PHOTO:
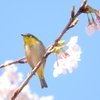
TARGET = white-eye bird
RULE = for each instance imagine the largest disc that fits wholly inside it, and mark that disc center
(34, 51)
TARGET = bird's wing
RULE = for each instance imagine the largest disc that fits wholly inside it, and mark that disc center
(42, 50)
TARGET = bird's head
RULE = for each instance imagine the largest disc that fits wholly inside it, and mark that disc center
(29, 39)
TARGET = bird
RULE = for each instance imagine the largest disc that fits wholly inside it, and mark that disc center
(34, 51)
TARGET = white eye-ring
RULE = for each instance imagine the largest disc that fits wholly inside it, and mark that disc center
(30, 36)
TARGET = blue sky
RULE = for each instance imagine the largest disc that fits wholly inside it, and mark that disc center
(46, 19)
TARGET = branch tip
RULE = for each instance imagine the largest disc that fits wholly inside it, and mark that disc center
(72, 22)
(72, 11)
(84, 3)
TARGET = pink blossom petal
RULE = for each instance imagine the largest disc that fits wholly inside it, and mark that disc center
(89, 30)
(69, 59)
(98, 19)
(98, 27)
(98, 22)
(72, 41)
(64, 71)
(95, 26)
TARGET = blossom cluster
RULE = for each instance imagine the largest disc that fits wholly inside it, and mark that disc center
(9, 82)
(68, 60)
(94, 24)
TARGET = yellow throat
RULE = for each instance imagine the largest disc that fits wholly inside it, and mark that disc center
(29, 39)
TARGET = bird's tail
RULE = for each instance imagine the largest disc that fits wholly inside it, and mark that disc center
(43, 83)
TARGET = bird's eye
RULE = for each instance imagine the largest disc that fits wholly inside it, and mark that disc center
(30, 36)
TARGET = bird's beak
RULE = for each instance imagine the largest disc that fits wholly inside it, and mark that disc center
(22, 35)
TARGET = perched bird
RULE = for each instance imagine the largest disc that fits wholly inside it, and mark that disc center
(34, 51)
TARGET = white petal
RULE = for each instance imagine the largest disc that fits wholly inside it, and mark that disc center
(70, 61)
(73, 40)
(89, 30)
(99, 27)
(55, 73)
(47, 98)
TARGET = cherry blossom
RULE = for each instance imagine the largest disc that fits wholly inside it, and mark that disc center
(68, 60)
(9, 82)
(91, 26)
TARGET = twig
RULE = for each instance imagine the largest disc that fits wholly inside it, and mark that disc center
(14, 62)
(81, 9)
(29, 76)
(48, 52)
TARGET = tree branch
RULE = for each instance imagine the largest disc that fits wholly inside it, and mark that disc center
(48, 52)
(21, 61)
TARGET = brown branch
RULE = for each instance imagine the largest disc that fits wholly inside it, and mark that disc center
(72, 11)
(71, 20)
(29, 76)
(81, 10)
(48, 51)
(21, 60)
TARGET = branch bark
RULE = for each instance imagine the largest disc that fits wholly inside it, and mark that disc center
(21, 61)
(48, 52)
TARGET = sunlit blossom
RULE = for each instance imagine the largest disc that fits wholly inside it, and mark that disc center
(91, 27)
(9, 82)
(47, 98)
(68, 60)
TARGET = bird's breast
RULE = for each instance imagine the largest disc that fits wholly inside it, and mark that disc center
(32, 55)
